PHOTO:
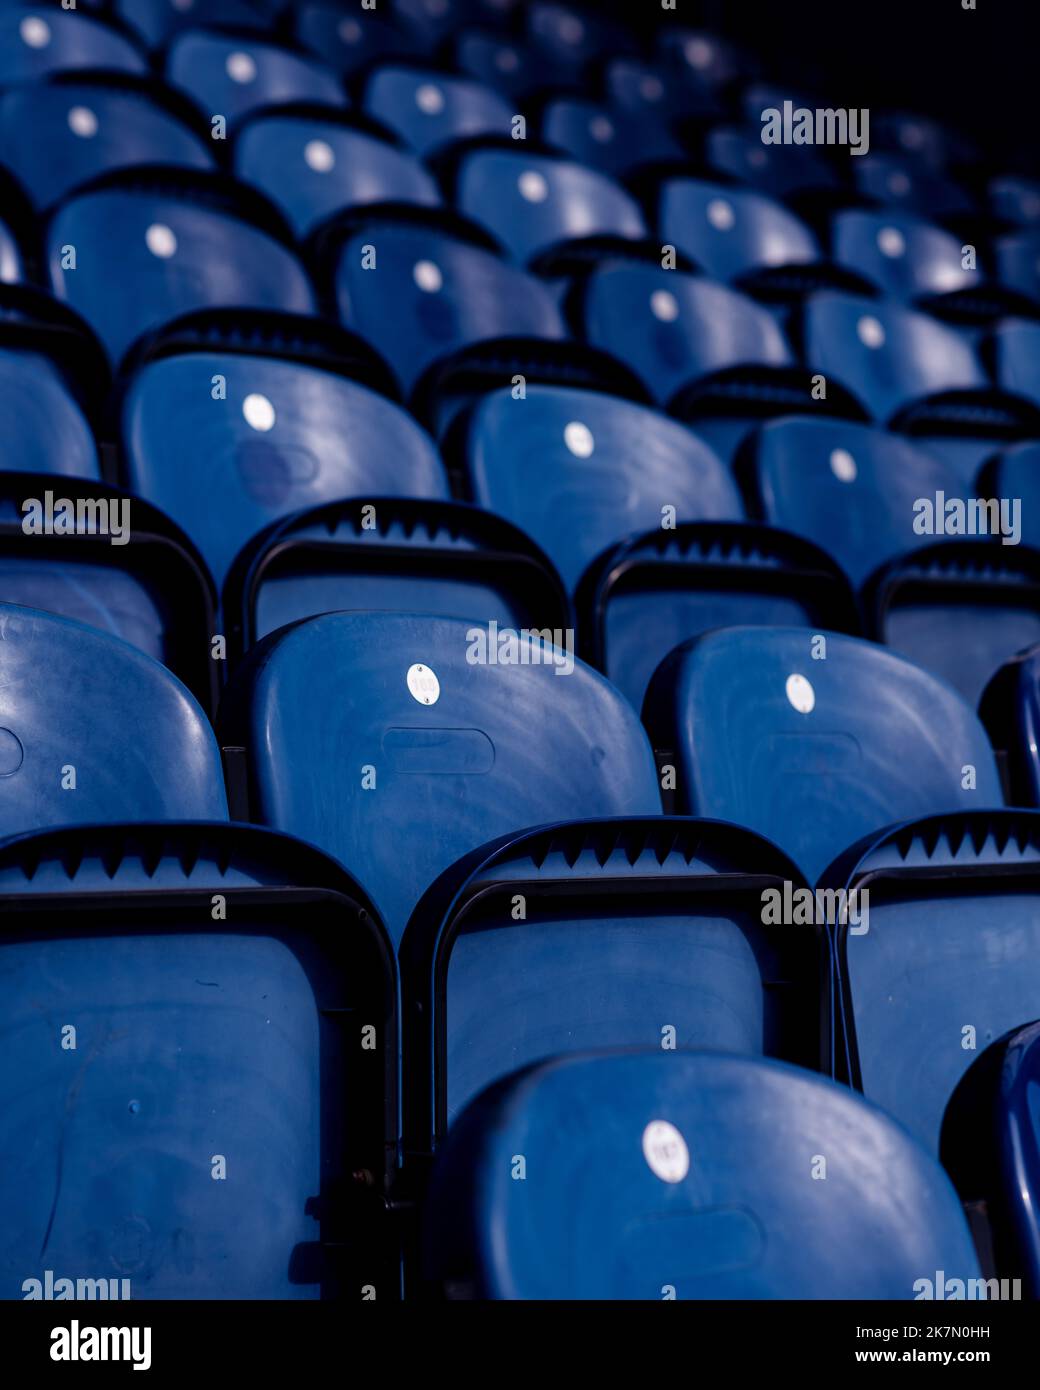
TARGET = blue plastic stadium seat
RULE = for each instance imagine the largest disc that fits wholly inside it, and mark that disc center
(1015, 199)
(432, 294)
(672, 328)
(67, 752)
(905, 256)
(603, 903)
(896, 181)
(429, 109)
(284, 435)
(45, 430)
(730, 232)
(991, 1149)
(218, 979)
(652, 1176)
(580, 471)
(778, 170)
(533, 204)
(157, 21)
(596, 135)
(364, 731)
(169, 255)
(348, 42)
(1018, 262)
(313, 168)
(37, 40)
(59, 135)
(818, 752)
(846, 486)
(233, 75)
(647, 595)
(642, 91)
(391, 554)
(951, 959)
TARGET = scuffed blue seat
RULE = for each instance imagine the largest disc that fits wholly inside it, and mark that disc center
(819, 751)
(949, 963)
(204, 990)
(580, 471)
(429, 109)
(36, 40)
(59, 135)
(535, 205)
(45, 429)
(283, 435)
(649, 1176)
(233, 75)
(67, 753)
(171, 249)
(1014, 349)
(356, 722)
(551, 942)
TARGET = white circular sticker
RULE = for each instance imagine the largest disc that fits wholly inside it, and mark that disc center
(579, 440)
(259, 412)
(843, 466)
(423, 685)
(665, 1151)
(801, 694)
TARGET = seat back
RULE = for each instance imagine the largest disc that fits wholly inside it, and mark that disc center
(432, 294)
(532, 203)
(730, 231)
(313, 168)
(951, 959)
(827, 738)
(232, 75)
(580, 471)
(551, 942)
(67, 754)
(169, 255)
(220, 1002)
(904, 256)
(364, 731)
(886, 355)
(38, 39)
(284, 436)
(57, 136)
(672, 328)
(686, 1176)
(849, 488)
(429, 109)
